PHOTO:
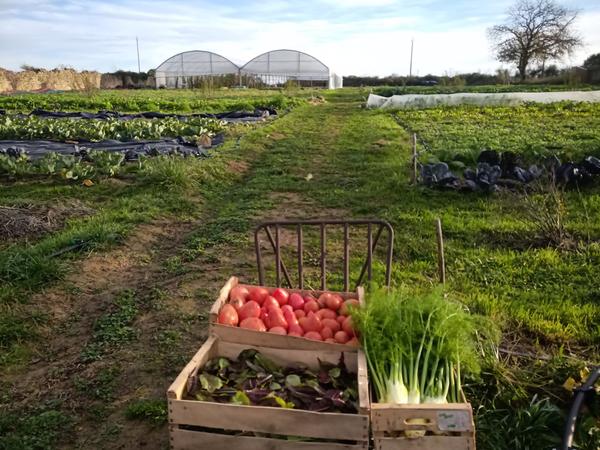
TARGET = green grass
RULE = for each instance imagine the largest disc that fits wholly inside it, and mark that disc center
(37, 430)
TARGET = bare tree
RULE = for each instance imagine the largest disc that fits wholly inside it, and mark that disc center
(536, 30)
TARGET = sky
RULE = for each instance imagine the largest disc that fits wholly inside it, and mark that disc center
(352, 37)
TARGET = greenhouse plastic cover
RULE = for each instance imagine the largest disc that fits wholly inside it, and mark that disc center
(290, 63)
(510, 98)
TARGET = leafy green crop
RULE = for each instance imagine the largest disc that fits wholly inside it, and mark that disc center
(253, 379)
(99, 130)
(569, 130)
(173, 101)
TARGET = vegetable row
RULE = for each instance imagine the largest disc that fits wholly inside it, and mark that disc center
(177, 101)
(459, 133)
(32, 127)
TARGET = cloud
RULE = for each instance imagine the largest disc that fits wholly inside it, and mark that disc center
(351, 36)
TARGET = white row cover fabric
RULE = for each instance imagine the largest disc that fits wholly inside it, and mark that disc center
(509, 98)
(279, 65)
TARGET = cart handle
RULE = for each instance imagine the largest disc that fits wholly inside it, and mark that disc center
(323, 224)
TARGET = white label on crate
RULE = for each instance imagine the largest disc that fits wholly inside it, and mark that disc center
(453, 420)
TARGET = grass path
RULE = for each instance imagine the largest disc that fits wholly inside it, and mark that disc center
(128, 338)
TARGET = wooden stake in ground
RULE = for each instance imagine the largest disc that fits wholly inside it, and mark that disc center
(414, 159)
(440, 244)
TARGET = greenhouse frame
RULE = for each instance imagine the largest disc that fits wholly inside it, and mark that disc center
(275, 68)
(187, 68)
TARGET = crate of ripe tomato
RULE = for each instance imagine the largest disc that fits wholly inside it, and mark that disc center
(284, 318)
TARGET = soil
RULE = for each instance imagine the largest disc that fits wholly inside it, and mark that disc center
(32, 221)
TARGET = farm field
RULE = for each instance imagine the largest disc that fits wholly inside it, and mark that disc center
(91, 337)
(172, 101)
(535, 131)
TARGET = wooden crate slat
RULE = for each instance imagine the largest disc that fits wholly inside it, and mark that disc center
(196, 440)
(264, 419)
(453, 417)
(426, 443)
(285, 356)
(205, 353)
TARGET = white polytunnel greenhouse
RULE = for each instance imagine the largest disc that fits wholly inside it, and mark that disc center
(280, 66)
(276, 68)
(187, 68)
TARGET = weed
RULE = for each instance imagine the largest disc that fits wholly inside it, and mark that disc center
(101, 386)
(151, 410)
(174, 265)
(36, 430)
(114, 328)
(535, 426)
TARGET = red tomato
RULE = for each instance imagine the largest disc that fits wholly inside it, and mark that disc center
(308, 298)
(299, 313)
(264, 314)
(311, 305)
(276, 319)
(340, 319)
(347, 326)
(258, 294)
(270, 302)
(347, 305)
(326, 333)
(302, 321)
(312, 323)
(290, 318)
(285, 308)
(253, 323)
(236, 303)
(296, 301)
(341, 337)
(239, 293)
(278, 330)
(313, 335)
(228, 315)
(281, 295)
(326, 313)
(331, 301)
(295, 330)
(332, 324)
(250, 309)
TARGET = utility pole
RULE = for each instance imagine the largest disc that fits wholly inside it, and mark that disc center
(412, 41)
(137, 45)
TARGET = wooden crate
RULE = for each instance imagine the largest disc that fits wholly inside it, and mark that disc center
(323, 428)
(251, 337)
(448, 426)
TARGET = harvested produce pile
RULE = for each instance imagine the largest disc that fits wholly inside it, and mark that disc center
(253, 379)
(534, 131)
(325, 318)
(231, 116)
(417, 347)
(496, 170)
